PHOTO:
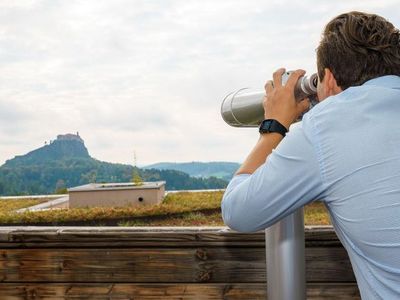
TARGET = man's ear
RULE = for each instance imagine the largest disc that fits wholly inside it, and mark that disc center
(330, 84)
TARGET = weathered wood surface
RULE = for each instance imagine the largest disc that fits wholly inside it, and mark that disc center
(166, 291)
(161, 265)
(17, 237)
(158, 263)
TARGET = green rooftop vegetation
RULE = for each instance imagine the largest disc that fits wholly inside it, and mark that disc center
(177, 209)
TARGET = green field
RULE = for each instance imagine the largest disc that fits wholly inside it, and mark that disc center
(180, 209)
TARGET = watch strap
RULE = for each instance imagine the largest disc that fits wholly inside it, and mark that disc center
(271, 125)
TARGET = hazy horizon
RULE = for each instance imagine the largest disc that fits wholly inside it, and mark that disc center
(133, 163)
(148, 76)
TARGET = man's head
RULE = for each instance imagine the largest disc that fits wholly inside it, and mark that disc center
(356, 47)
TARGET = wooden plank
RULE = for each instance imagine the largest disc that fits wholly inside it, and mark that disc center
(158, 263)
(107, 291)
(167, 265)
(321, 236)
(127, 237)
(18, 237)
(328, 265)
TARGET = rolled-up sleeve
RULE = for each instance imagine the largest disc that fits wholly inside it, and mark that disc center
(289, 179)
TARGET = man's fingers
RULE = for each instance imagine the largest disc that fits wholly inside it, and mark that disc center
(269, 86)
(294, 77)
(277, 77)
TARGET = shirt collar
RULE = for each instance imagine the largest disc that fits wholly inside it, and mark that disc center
(391, 81)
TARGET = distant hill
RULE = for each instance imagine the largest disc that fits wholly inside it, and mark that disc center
(66, 162)
(64, 147)
(223, 170)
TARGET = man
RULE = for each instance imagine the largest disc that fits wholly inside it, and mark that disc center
(346, 151)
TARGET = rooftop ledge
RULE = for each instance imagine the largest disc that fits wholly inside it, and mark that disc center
(117, 186)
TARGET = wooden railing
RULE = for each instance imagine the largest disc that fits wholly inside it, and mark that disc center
(158, 263)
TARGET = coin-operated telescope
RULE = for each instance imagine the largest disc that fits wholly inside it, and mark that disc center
(244, 108)
(285, 239)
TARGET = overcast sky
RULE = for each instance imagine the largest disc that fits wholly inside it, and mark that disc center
(149, 76)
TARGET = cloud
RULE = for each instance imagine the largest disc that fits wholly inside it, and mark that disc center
(148, 75)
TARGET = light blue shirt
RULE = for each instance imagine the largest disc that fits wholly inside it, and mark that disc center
(345, 152)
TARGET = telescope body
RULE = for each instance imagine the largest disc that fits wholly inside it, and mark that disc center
(244, 108)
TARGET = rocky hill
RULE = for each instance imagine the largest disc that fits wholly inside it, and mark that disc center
(65, 162)
(64, 147)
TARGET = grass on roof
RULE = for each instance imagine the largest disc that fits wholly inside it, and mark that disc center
(177, 209)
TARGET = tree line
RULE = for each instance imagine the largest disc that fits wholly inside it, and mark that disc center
(20, 178)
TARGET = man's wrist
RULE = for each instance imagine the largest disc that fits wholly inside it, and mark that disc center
(271, 136)
(284, 121)
(272, 126)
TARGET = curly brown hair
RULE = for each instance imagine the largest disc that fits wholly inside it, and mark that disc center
(357, 47)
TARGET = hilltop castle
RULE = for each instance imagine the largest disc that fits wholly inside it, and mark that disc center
(69, 137)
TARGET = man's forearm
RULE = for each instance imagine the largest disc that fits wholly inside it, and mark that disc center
(260, 152)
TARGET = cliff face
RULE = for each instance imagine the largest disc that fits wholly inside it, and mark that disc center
(60, 149)
(64, 147)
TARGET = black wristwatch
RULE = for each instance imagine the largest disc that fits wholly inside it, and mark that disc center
(271, 125)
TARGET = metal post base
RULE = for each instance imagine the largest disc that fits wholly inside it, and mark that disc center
(285, 258)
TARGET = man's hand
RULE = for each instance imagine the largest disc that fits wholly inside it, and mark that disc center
(279, 102)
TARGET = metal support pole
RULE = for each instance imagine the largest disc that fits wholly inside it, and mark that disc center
(285, 258)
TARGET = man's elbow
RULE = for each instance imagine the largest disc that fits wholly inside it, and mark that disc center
(236, 217)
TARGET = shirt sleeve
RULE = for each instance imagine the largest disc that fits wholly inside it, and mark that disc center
(289, 179)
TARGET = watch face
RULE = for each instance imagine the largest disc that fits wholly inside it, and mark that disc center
(265, 126)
